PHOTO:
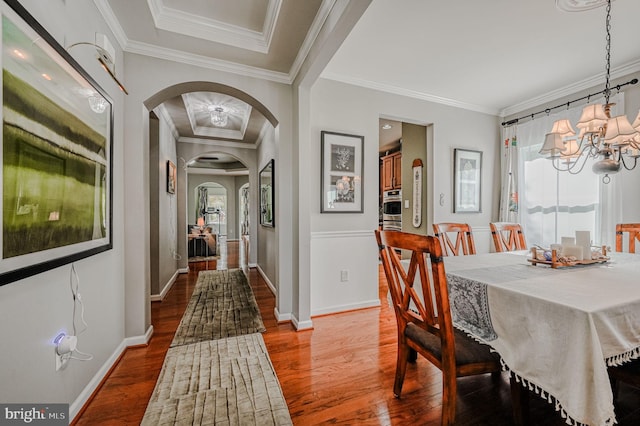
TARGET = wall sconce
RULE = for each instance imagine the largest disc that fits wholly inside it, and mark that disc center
(105, 57)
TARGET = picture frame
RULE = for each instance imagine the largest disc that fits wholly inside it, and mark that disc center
(267, 195)
(57, 150)
(171, 177)
(467, 183)
(341, 178)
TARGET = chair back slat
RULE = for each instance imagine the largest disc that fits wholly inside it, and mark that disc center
(633, 229)
(425, 309)
(464, 242)
(507, 236)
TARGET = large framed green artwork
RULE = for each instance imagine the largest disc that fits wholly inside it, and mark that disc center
(56, 178)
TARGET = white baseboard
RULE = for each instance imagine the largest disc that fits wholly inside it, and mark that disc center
(139, 340)
(96, 380)
(281, 317)
(160, 297)
(348, 307)
(301, 325)
(183, 270)
(266, 279)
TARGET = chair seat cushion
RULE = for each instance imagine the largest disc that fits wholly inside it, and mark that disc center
(468, 350)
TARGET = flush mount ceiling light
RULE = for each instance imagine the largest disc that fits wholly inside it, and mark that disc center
(386, 126)
(219, 115)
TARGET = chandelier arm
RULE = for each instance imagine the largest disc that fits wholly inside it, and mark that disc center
(584, 162)
(624, 163)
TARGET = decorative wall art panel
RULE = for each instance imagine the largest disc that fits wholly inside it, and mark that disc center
(56, 153)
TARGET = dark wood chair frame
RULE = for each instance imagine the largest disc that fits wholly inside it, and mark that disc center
(464, 238)
(507, 236)
(633, 229)
(424, 323)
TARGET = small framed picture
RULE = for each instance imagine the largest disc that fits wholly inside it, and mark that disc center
(467, 183)
(267, 195)
(171, 177)
(342, 164)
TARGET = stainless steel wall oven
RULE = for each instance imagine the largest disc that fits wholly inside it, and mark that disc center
(392, 210)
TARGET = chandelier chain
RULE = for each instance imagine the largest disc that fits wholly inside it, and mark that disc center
(607, 89)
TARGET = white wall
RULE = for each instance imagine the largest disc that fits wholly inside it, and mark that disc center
(34, 310)
(340, 238)
(268, 253)
(167, 232)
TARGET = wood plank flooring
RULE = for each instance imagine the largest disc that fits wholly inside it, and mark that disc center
(341, 372)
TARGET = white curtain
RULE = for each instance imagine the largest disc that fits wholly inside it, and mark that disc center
(553, 204)
(509, 204)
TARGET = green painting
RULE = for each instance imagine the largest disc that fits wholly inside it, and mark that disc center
(55, 154)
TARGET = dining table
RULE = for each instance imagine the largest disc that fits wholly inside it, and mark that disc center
(555, 329)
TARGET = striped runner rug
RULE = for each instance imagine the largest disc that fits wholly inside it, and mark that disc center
(222, 305)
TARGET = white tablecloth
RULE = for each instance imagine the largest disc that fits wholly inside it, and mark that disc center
(557, 329)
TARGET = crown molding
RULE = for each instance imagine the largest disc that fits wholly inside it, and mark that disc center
(407, 92)
(312, 34)
(112, 22)
(176, 21)
(154, 51)
(572, 89)
(205, 62)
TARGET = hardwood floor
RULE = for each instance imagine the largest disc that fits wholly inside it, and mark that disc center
(341, 372)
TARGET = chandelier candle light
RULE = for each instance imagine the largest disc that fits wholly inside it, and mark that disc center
(612, 141)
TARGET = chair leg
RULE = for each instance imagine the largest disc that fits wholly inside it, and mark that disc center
(449, 392)
(520, 402)
(401, 367)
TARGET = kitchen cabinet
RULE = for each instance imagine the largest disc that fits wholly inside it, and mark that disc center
(392, 171)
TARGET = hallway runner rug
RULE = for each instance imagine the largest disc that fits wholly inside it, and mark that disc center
(222, 305)
(228, 382)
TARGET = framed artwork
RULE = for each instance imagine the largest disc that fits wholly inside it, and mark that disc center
(341, 164)
(56, 153)
(467, 182)
(267, 195)
(171, 177)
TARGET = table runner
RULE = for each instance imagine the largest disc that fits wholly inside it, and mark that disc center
(556, 329)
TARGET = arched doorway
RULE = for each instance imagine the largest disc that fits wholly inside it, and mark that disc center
(188, 149)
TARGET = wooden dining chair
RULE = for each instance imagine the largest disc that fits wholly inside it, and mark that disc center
(424, 323)
(463, 238)
(633, 229)
(507, 236)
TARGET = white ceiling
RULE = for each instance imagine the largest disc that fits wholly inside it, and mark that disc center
(494, 56)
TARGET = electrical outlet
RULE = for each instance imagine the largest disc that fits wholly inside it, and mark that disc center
(344, 275)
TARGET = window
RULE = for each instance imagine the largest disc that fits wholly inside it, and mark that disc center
(554, 204)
